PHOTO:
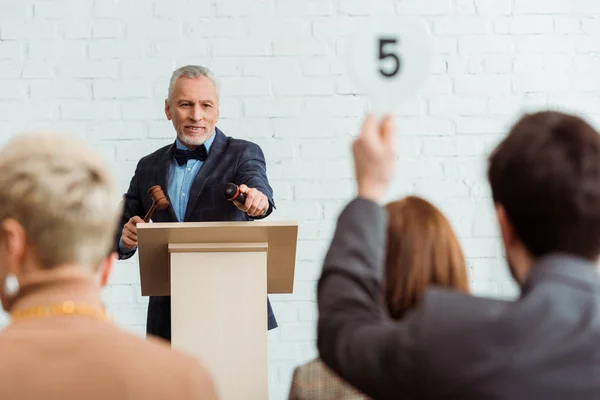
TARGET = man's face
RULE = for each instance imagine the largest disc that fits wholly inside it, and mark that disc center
(194, 110)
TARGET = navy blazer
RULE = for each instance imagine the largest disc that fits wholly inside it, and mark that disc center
(229, 160)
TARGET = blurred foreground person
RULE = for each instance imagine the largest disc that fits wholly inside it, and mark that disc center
(545, 183)
(57, 223)
(422, 250)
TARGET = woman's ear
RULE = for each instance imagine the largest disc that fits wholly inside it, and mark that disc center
(14, 242)
(106, 269)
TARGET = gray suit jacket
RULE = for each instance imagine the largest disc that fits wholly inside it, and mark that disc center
(545, 345)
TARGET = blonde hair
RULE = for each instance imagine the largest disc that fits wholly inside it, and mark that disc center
(60, 191)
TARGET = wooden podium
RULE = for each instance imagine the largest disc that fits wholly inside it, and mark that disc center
(218, 275)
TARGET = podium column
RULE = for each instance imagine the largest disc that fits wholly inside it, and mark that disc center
(219, 313)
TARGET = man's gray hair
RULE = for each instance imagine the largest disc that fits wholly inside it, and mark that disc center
(191, 71)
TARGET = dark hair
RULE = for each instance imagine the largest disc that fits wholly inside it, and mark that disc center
(546, 175)
(422, 249)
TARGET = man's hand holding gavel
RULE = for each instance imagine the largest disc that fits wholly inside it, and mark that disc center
(129, 234)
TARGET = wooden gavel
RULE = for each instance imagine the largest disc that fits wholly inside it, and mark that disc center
(159, 201)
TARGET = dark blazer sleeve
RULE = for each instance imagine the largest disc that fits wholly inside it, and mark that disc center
(131, 206)
(252, 172)
(356, 336)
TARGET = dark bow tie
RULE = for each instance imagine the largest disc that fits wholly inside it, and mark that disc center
(182, 156)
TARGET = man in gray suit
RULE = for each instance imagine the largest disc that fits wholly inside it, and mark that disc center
(545, 182)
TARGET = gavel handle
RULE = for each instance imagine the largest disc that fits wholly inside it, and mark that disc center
(150, 212)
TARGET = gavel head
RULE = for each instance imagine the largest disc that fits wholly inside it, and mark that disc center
(158, 197)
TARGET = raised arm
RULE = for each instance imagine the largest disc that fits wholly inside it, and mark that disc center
(356, 337)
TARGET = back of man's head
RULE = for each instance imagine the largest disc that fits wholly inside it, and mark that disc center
(61, 193)
(546, 176)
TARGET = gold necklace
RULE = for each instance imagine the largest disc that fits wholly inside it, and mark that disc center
(65, 308)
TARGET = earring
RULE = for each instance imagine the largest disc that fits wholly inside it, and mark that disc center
(11, 285)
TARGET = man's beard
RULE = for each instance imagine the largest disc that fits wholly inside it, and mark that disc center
(193, 141)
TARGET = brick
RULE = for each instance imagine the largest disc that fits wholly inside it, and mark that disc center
(46, 49)
(337, 189)
(329, 149)
(267, 28)
(520, 24)
(487, 8)
(183, 10)
(126, 88)
(498, 63)
(111, 48)
(542, 7)
(151, 29)
(546, 44)
(307, 270)
(303, 86)
(12, 90)
(21, 110)
(246, 87)
(107, 28)
(307, 311)
(38, 70)
(117, 294)
(194, 51)
(486, 44)
(470, 146)
(285, 311)
(426, 126)
(61, 89)
(441, 188)
(585, 44)
(87, 69)
(482, 248)
(80, 29)
(11, 50)
(439, 146)
(216, 28)
(239, 47)
(318, 127)
(461, 26)
(304, 8)
(247, 127)
(147, 68)
(481, 84)
(419, 7)
(124, 10)
(288, 107)
(270, 66)
(338, 26)
(367, 7)
(88, 110)
(567, 24)
(19, 30)
(119, 129)
(228, 8)
(59, 10)
(299, 47)
(434, 86)
(539, 83)
(528, 63)
(337, 106)
(443, 45)
(144, 109)
(15, 11)
(448, 106)
(478, 125)
(11, 69)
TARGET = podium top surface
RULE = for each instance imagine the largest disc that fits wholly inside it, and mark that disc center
(155, 238)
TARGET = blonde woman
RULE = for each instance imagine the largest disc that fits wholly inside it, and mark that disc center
(57, 221)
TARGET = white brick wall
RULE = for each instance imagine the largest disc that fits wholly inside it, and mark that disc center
(101, 69)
